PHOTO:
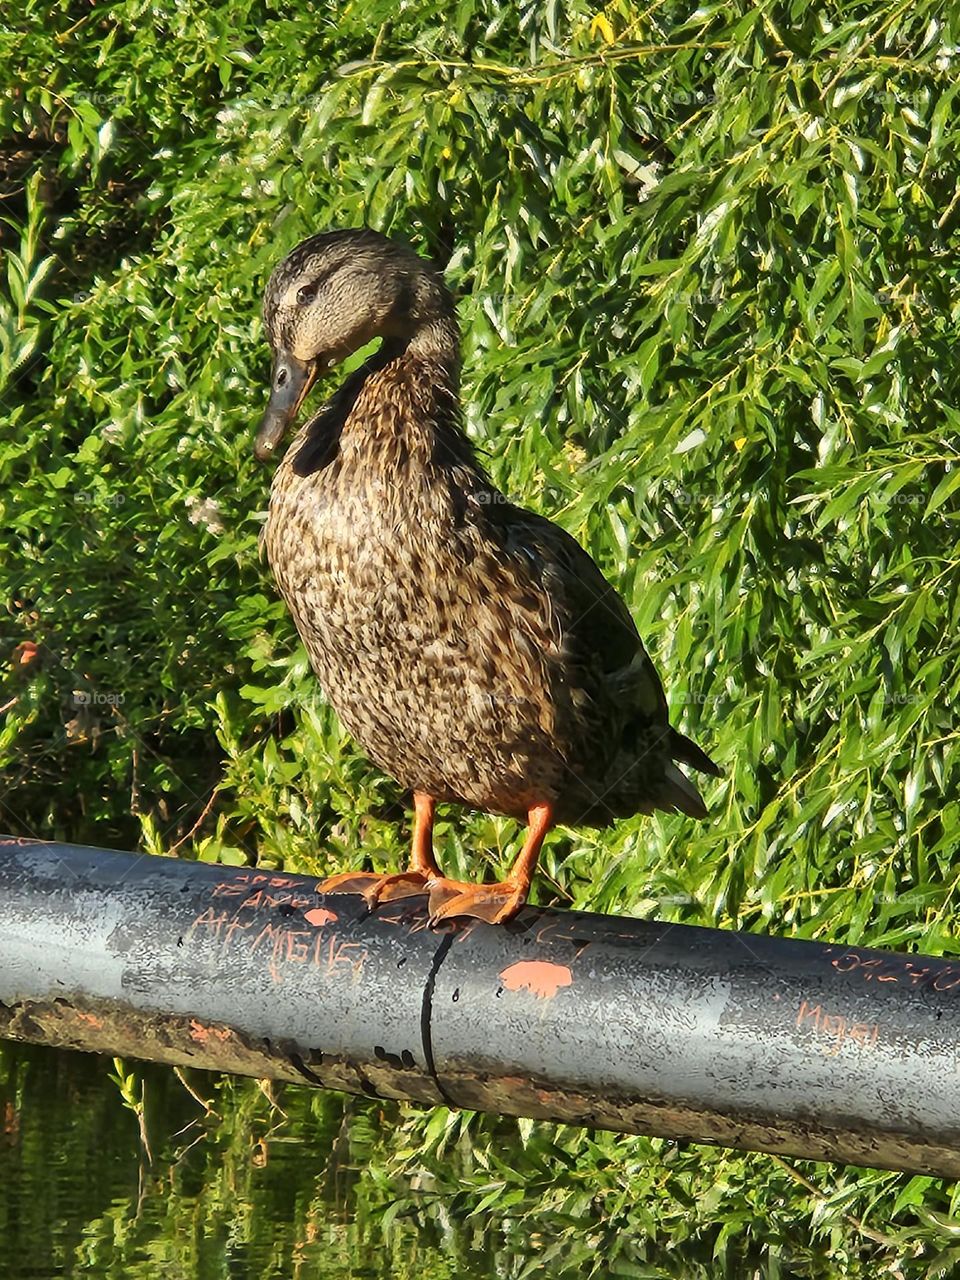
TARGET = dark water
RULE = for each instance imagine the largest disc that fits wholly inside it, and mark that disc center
(248, 1192)
(135, 1179)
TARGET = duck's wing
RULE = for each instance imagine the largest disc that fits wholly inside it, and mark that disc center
(573, 605)
(570, 606)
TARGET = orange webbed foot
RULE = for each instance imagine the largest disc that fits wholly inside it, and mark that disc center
(376, 888)
(493, 903)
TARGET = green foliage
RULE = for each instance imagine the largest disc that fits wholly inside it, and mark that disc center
(707, 266)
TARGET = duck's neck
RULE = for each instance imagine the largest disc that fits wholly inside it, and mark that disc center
(437, 339)
(436, 342)
(418, 375)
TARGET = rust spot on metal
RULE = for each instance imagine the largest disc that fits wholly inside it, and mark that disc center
(202, 1033)
(540, 977)
(320, 916)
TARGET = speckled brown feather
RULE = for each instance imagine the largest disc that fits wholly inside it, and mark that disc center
(471, 647)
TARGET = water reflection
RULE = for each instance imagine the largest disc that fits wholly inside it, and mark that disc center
(251, 1191)
(305, 1183)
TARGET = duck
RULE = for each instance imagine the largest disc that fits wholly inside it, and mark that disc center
(471, 647)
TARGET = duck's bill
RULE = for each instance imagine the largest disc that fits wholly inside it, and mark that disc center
(291, 381)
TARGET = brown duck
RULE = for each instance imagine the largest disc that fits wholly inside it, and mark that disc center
(472, 648)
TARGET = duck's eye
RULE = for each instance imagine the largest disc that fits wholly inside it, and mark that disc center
(306, 294)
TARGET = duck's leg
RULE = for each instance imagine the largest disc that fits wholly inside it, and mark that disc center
(423, 866)
(494, 902)
(404, 884)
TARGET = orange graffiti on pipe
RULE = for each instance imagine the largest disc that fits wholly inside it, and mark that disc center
(540, 977)
(320, 916)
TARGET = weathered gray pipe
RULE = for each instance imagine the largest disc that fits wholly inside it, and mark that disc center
(769, 1044)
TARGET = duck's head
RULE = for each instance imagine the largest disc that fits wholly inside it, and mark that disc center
(330, 296)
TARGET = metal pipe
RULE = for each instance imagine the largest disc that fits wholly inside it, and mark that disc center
(769, 1044)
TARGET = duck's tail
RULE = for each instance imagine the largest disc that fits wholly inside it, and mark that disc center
(679, 794)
